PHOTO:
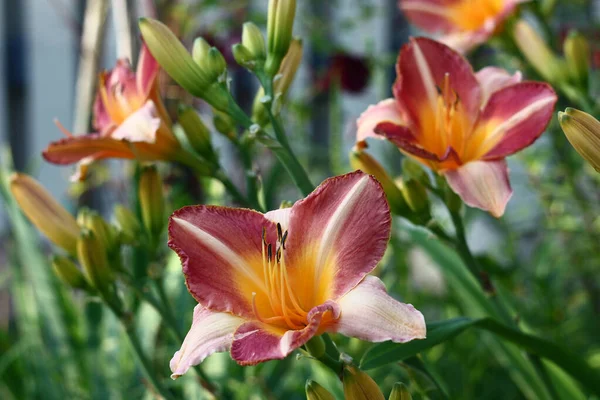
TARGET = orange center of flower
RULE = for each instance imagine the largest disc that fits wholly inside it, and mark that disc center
(119, 104)
(283, 308)
(471, 15)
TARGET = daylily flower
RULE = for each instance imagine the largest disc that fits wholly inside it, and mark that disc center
(459, 123)
(267, 283)
(462, 24)
(129, 118)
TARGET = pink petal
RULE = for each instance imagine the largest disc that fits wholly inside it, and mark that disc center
(492, 79)
(369, 313)
(102, 121)
(147, 71)
(384, 111)
(515, 117)
(422, 67)
(254, 342)
(76, 148)
(402, 137)
(482, 184)
(211, 332)
(141, 126)
(220, 249)
(464, 41)
(430, 15)
(337, 235)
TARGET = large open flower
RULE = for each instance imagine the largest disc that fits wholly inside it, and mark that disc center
(459, 123)
(129, 118)
(463, 24)
(267, 283)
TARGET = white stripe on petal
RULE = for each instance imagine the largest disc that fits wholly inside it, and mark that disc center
(426, 75)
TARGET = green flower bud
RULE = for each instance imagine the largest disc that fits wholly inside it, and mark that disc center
(400, 392)
(412, 169)
(129, 227)
(578, 56)
(215, 63)
(316, 346)
(197, 134)
(253, 40)
(415, 195)
(152, 201)
(200, 51)
(243, 57)
(93, 222)
(314, 391)
(224, 124)
(360, 386)
(68, 273)
(280, 24)
(93, 258)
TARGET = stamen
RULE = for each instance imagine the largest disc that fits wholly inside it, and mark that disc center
(62, 128)
(279, 232)
(283, 239)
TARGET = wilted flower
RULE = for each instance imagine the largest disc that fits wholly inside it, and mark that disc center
(267, 283)
(460, 124)
(583, 132)
(130, 121)
(463, 24)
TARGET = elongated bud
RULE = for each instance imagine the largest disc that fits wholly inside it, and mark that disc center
(129, 226)
(224, 124)
(314, 391)
(200, 50)
(400, 392)
(93, 222)
(537, 52)
(215, 65)
(179, 64)
(578, 55)
(152, 202)
(93, 258)
(583, 132)
(197, 134)
(244, 57)
(415, 195)
(68, 273)
(280, 24)
(253, 40)
(56, 223)
(281, 84)
(362, 160)
(359, 386)
(316, 346)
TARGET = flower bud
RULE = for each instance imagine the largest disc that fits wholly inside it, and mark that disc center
(224, 124)
(415, 195)
(93, 258)
(200, 50)
(129, 227)
(362, 160)
(215, 64)
(400, 392)
(152, 202)
(314, 391)
(68, 273)
(56, 223)
(412, 169)
(197, 134)
(537, 52)
(583, 132)
(93, 222)
(316, 346)
(243, 56)
(253, 40)
(577, 53)
(359, 386)
(280, 24)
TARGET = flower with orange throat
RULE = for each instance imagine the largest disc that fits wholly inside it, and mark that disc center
(267, 283)
(130, 121)
(459, 123)
(462, 24)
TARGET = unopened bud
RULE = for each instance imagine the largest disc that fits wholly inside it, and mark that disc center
(243, 56)
(215, 64)
(316, 346)
(360, 386)
(583, 132)
(200, 50)
(224, 124)
(415, 195)
(412, 169)
(314, 391)
(93, 258)
(537, 52)
(362, 160)
(197, 134)
(280, 24)
(253, 40)
(152, 201)
(578, 56)
(68, 273)
(56, 223)
(93, 222)
(400, 392)
(129, 226)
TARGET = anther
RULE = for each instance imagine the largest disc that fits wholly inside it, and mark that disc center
(279, 232)
(269, 252)
(283, 239)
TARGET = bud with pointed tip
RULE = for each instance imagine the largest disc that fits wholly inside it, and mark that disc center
(224, 124)
(129, 226)
(578, 56)
(93, 258)
(280, 23)
(152, 201)
(243, 56)
(360, 386)
(200, 50)
(314, 391)
(415, 195)
(253, 40)
(583, 132)
(56, 223)
(68, 273)
(197, 134)
(400, 392)
(93, 222)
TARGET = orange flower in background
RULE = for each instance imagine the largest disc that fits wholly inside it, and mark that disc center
(129, 118)
(462, 24)
(459, 123)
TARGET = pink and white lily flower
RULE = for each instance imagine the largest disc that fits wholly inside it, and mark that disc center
(268, 283)
(129, 118)
(459, 123)
(462, 24)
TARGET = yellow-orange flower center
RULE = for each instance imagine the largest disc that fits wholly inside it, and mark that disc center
(472, 15)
